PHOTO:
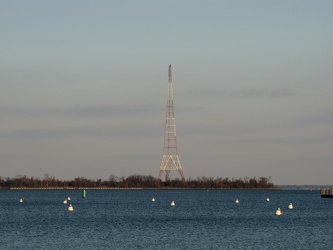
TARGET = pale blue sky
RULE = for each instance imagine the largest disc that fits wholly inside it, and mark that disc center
(84, 86)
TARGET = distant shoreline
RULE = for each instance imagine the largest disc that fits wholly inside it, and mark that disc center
(110, 188)
(135, 182)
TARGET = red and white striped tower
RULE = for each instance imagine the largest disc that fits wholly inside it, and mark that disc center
(170, 159)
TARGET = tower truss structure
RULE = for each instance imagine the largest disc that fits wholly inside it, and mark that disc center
(170, 159)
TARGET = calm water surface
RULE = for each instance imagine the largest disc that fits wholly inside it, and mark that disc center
(123, 219)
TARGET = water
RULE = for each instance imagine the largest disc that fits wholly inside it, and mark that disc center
(127, 219)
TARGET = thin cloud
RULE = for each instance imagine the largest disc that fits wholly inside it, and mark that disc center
(285, 140)
(94, 131)
(262, 93)
(207, 92)
(281, 93)
(97, 110)
(217, 92)
(324, 118)
(111, 110)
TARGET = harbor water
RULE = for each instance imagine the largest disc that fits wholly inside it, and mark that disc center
(200, 219)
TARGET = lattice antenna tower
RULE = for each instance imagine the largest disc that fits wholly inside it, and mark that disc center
(170, 159)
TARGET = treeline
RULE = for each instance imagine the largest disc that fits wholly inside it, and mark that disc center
(137, 181)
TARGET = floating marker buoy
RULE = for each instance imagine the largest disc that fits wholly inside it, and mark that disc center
(70, 208)
(21, 200)
(153, 200)
(173, 204)
(65, 201)
(84, 194)
(237, 201)
(278, 212)
(267, 199)
(290, 206)
(69, 198)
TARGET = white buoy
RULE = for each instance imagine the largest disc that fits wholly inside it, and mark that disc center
(21, 200)
(267, 199)
(65, 201)
(69, 198)
(237, 201)
(153, 200)
(278, 212)
(70, 208)
(290, 206)
(172, 204)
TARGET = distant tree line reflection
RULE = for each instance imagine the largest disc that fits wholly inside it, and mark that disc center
(137, 181)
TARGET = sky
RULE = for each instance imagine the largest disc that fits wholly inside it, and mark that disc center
(84, 87)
